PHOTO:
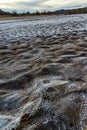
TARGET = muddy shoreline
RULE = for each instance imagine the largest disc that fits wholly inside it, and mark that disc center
(43, 79)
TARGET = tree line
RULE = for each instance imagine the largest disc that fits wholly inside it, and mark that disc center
(59, 12)
(14, 13)
(65, 12)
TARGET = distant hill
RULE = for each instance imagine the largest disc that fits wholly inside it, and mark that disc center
(57, 12)
(72, 11)
(3, 12)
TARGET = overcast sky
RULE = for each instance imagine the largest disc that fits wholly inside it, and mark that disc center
(40, 5)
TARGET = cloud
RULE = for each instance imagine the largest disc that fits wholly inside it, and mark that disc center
(33, 5)
(26, 5)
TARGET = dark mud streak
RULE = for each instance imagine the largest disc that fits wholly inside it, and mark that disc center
(18, 83)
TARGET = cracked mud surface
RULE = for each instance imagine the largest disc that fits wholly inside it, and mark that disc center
(43, 81)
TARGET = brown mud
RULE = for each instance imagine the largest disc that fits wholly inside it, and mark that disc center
(43, 83)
